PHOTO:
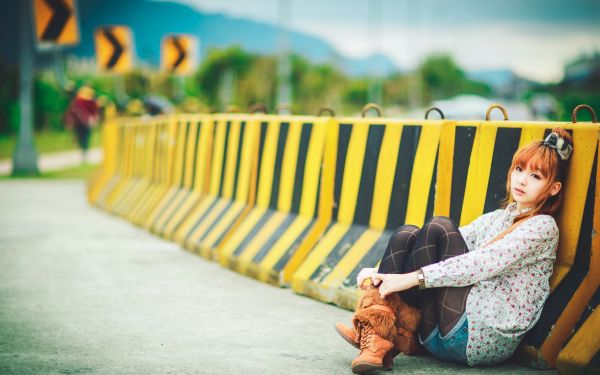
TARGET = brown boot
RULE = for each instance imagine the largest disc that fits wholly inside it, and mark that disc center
(348, 334)
(375, 326)
(373, 349)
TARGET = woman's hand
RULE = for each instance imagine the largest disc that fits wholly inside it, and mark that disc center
(390, 283)
(364, 274)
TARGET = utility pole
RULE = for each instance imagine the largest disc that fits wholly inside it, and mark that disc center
(284, 68)
(25, 155)
(375, 94)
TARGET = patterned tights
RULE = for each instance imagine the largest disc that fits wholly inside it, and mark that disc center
(411, 248)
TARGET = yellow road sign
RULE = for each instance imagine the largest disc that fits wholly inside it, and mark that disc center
(114, 48)
(179, 53)
(56, 21)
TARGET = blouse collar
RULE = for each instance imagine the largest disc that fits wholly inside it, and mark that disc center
(512, 209)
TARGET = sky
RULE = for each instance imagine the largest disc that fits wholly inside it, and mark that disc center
(534, 38)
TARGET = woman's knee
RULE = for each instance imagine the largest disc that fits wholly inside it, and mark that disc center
(404, 234)
(440, 221)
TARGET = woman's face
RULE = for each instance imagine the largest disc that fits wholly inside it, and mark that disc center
(527, 186)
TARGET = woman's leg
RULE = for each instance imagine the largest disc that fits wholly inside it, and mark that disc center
(439, 239)
(399, 246)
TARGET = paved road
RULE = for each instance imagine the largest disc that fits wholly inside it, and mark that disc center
(84, 292)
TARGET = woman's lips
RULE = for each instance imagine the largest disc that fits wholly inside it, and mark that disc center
(518, 191)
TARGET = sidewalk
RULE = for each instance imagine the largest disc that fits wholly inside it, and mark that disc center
(56, 160)
(83, 292)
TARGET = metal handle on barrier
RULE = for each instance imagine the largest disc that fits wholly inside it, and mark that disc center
(286, 107)
(434, 109)
(232, 108)
(500, 107)
(583, 106)
(370, 106)
(326, 109)
(258, 107)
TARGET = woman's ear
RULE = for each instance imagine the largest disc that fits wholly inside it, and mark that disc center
(556, 186)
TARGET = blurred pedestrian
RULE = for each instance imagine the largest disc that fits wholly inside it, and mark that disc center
(82, 116)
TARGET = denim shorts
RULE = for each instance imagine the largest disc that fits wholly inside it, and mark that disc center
(453, 346)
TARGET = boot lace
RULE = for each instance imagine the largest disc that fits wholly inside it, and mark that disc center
(366, 337)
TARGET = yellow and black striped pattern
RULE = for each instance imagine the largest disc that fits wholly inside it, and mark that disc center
(379, 174)
(473, 163)
(233, 155)
(290, 153)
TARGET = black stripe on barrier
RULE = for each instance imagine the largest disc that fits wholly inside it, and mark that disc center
(319, 177)
(345, 130)
(255, 229)
(264, 250)
(341, 248)
(594, 362)
(201, 219)
(261, 147)
(591, 306)
(431, 197)
(214, 222)
(224, 156)
(197, 146)
(404, 168)
(558, 300)
(364, 203)
(239, 157)
(281, 142)
(292, 249)
(505, 145)
(370, 259)
(464, 137)
(301, 166)
(184, 155)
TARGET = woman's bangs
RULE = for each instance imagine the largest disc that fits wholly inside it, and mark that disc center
(535, 158)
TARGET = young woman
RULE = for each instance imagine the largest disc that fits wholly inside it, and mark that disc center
(481, 287)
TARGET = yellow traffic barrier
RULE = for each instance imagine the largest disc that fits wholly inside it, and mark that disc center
(124, 156)
(197, 173)
(165, 129)
(289, 169)
(232, 164)
(145, 138)
(378, 175)
(186, 167)
(175, 164)
(109, 165)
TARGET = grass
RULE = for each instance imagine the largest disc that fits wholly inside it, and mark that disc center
(82, 171)
(46, 142)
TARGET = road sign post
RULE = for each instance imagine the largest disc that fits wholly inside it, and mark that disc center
(25, 155)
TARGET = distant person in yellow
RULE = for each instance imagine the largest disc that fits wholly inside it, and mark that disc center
(81, 116)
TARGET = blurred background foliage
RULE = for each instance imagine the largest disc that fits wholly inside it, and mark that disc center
(234, 76)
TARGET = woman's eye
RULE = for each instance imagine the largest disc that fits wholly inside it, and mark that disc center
(518, 169)
(537, 177)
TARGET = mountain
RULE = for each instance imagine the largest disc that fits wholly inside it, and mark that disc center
(151, 20)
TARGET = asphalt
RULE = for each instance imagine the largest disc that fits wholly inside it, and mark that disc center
(84, 292)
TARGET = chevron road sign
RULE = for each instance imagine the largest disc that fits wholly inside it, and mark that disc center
(56, 21)
(114, 49)
(178, 53)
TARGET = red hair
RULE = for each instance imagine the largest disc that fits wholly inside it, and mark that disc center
(541, 157)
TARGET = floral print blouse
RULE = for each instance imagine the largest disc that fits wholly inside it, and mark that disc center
(510, 279)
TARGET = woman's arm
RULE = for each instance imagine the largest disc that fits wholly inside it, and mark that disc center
(531, 241)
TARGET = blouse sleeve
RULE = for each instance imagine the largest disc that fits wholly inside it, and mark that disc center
(470, 231)
(531, 241)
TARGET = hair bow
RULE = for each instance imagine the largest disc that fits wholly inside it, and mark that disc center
(558, 143)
